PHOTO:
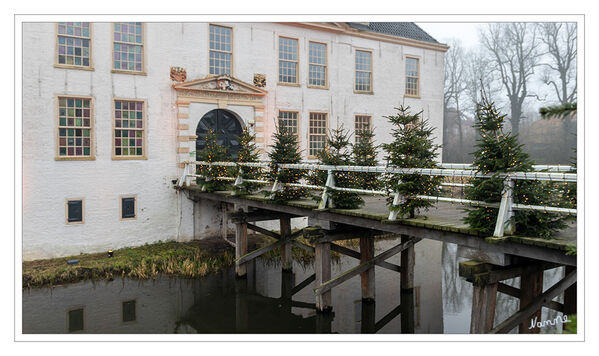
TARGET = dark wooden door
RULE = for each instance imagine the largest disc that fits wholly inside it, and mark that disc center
(227, 128)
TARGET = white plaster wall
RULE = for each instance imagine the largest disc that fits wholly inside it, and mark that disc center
(162, 212)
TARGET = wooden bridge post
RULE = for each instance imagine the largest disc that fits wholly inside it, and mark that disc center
(241, 246)
(531, 285)
(570, 296)
(286, 258)
(408, 260)
(322, 269)
(367, 277)
(484, 297)
(368, 318)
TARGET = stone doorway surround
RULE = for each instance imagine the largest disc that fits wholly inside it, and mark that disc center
(222, 91)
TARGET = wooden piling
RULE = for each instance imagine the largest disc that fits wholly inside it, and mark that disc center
(241, 247)
(367, 277)
(408, 259)
(531, 286)
(368, 318)
(484, 299)
(570, 296)
(322, 269)
(286, 258)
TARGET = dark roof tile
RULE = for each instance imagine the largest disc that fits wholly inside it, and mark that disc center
(400, 29)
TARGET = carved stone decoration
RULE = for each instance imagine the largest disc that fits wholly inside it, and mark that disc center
(224, 83)
(178, 74)
(260, 80)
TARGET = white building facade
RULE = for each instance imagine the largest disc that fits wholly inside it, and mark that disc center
(111, 110)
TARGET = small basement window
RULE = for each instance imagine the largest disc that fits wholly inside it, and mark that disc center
(127, 207)
(74, 211)
(129, 311)
(75, 317)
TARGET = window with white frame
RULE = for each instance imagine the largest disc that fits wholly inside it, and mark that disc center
(363, 71)
(317, 72)
(412, 76)
(362, 124)
(288, 63)
(288, 121)
(317, 132)
(73, 44)
(128, 47)
(221, 50)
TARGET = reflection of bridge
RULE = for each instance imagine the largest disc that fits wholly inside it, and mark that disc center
(494, 259)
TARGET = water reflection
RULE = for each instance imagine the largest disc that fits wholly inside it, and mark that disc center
(269, 301)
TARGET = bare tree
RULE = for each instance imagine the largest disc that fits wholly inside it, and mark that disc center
(455, 87)
(560, 45)
(513, 48)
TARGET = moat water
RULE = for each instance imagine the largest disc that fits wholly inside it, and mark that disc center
(262, 303)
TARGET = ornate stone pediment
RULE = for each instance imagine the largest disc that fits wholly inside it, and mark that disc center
(219, 86)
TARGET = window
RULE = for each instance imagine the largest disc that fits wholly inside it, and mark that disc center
(75, 212)
(74, 128)
(129, 129)
(318, 132)
(363, 71)
(288, 120)
(317, 73)
(128, 208)
(75, 320)
(220, 50)
(288, 63)
(74, 45)
(128, 308)
(362, 124)
(412, 77)
(128, 51)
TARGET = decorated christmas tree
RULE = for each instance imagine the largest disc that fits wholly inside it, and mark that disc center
(285, 149)
(364, 154)
(248, 152)
(337, 152)
(498, 152)
(213, 152)
(412, 147)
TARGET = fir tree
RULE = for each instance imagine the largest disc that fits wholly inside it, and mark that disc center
(412, 147)
(364, 154)
(501, 153)
(247, 153)
(285, 149)
(213, 152)
(337, 152)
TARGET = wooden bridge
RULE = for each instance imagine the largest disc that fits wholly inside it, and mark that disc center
(492, 259)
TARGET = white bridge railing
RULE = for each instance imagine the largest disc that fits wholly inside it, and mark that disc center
(505, 221)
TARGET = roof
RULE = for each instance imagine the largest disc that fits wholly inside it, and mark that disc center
(401, 29)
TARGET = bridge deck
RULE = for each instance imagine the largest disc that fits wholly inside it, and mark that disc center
(442, 222)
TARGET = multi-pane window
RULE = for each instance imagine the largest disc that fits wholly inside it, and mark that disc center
(129, 129)
(74, 127)
(318, 132)
(362, 124)
(74, 211)
(74, 44)
(128, 51)
(220, 50)
(288, 63)
(288, 121)
(412, 77)
(317, 72)
(363, 71)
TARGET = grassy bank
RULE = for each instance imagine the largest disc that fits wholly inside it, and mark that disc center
(184, 259)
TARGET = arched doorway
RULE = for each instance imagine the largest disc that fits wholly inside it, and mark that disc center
(227, 127)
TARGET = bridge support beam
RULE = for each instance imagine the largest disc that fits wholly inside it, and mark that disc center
(241, 247)
(322, 269)
(286, 258)
(570, 296)
(408, 260)
(367, 277)
(531, 286)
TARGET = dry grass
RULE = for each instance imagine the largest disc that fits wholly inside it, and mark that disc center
(185, 259)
